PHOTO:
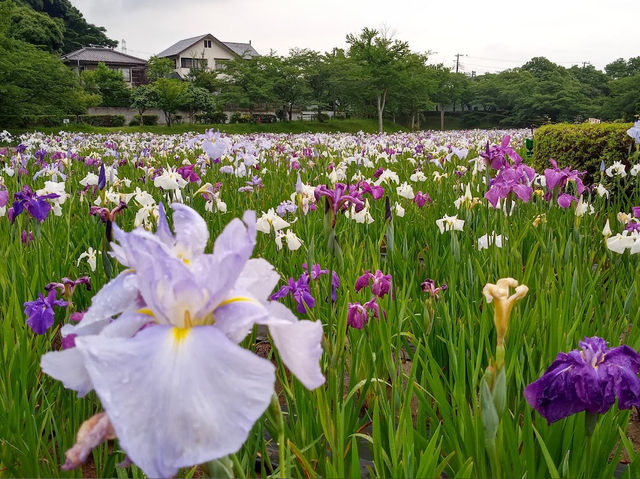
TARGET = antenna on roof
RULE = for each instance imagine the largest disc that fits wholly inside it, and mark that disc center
(249, 42)
(123, 44)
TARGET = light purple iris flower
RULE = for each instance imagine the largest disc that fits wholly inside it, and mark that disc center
(172, 323)
(588, 379)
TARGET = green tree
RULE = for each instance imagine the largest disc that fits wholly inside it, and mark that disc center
(417, 85)
(290, 81)
(159, 68)
(198, 99)
(109, 84)
(171, 96)
(624, 100)
(34, 82)
(381, 60)
(78, 32)
(248, 83)
(23, 23)
(143, 98)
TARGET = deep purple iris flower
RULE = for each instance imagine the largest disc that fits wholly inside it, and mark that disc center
(36, 206)
(40, 312)
(299, 290)
(556, 177)
(380, 283)
(632, 226)
(316, 271)
(102, 177)
(496, 155)
(588, 379)
(338, 199)
(511, 179)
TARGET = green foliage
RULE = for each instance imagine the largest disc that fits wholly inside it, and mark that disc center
(33, 82)
(143, 98)
(103, 120)
(159, 68)
(624, 100)
(147, 120)
(77, 32)
(212, 117)
(25, 24)
(170, 96)
(198, 99)
(109, 84)
(582, 147)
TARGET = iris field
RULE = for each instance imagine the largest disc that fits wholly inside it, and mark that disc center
(382, 248)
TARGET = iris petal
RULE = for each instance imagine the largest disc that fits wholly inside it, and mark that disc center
(202, 391)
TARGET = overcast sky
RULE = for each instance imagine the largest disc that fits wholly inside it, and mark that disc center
(494, 34)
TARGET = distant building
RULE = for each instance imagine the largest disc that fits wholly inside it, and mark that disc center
(206, 52)
(133, 69)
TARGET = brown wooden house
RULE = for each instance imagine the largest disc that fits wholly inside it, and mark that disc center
(133, 69)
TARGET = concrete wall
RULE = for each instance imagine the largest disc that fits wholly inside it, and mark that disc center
(129, 113)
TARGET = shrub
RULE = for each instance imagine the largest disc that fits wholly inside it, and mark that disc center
(237, 117)
(148, 120)
(213, 117)
(103, 120)
(582, 147)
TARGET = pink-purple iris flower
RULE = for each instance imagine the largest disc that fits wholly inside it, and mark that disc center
(558, 178)
(587, 379)
(172, 322)
(380, 283)
(496, 155)
(358, 314)
(516, 179)
(339, 199)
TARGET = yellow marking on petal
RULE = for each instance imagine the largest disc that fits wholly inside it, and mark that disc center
(147, 311)
(179, 334)
(235, 300)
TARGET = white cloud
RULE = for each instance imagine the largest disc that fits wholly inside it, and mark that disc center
(494, 34)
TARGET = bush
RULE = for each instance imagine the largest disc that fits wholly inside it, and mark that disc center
(103, 120)
(238, 117)
(148, 120)
(582, 147)
(213, 117)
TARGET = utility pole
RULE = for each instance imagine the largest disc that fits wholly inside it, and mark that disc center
(584, 64)
(458, 55)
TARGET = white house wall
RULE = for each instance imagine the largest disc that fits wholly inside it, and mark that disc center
(199, 51)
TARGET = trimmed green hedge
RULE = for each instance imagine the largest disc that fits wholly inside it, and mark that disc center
(103, 120)
(149, 120)
(582, 146)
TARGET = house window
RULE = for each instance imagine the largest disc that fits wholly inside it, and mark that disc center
(221, 63)
(200, 63)
(207, 43)
(126, 73)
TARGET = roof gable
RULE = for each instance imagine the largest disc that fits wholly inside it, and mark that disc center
(187, 43)
(98, 54)
(244, 50)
